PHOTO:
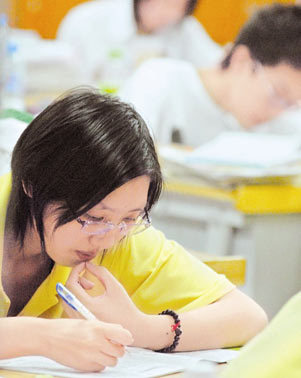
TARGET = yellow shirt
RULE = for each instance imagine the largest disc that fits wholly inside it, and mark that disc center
(157, 274)
(275, 352)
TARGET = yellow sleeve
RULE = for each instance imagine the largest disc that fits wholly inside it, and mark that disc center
(159, 274)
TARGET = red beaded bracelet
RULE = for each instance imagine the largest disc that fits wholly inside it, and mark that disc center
(175, 328)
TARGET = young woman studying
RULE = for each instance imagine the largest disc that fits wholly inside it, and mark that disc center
(85, 176)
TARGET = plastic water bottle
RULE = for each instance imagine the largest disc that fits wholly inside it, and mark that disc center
(3, 55)
(14, 88)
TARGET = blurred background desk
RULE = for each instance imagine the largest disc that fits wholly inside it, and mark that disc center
(261, 223)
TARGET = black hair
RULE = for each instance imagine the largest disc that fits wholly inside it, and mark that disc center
(190, 7)
(272, 35)
(78, 150)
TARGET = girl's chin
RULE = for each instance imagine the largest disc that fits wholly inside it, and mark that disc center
(69, 264)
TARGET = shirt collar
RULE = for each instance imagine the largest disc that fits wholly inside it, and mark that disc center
(46, 295)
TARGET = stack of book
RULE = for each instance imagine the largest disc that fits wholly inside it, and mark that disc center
(235, 158)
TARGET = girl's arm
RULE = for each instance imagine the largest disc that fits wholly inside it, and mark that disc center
(230, 321)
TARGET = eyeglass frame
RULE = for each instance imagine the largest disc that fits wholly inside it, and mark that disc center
(121, 226)
(279, 100)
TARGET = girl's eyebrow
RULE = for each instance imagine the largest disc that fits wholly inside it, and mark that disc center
(93, 217)
(114, 210)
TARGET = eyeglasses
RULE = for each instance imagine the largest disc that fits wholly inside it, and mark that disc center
(275, 98)
(128, 226)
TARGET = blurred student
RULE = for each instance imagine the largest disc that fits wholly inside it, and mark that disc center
(259, 78)
(275, 352)
(112, 37)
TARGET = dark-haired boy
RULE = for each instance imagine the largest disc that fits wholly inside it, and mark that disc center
(259, 78)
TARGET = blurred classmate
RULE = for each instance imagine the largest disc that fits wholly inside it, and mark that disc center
(117, 35)
(259, 78)
(275, 352)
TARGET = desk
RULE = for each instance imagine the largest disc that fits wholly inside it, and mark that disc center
(233, 267)
(260, 223)
(15, 374)
(18, 374)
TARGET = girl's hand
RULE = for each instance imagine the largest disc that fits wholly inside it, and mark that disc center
(86, 345)
(113, 306)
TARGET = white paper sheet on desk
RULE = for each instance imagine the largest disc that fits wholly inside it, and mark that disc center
(140, 363)
(248, 150)
(281, 157)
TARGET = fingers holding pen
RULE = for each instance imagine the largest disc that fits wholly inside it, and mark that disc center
(108, 349)
(118, 334)
(86, 345)
(114, 306)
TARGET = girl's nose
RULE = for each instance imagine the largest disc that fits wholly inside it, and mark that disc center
(108, 240)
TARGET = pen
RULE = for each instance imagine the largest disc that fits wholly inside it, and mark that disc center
(73, 302)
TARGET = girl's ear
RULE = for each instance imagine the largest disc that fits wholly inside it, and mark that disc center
(27, 190)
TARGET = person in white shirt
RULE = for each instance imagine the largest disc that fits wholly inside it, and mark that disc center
(112, 37)
(258, 79)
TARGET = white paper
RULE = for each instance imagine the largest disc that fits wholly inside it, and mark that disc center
(235, 157)
(249, 150)
(137, 363)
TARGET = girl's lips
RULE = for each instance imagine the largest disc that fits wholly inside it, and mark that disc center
(86, 256)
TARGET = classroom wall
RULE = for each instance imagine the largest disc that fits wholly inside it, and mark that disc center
(222, 18)
(43, 16)
(4, 6)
